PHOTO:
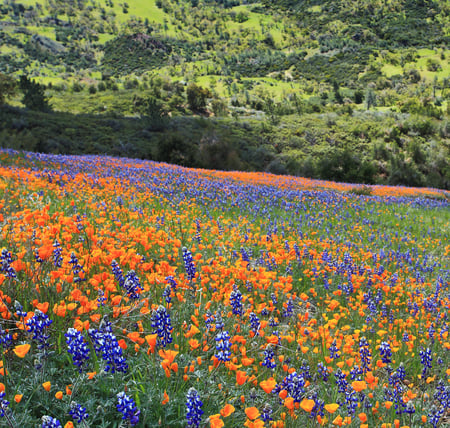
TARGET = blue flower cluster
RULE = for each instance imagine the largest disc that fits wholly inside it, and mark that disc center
(77, 347)
(294, 384)
(341, 380)
(162, 325)
(425, 359)
(269, 357)
(255, 324)
(3, 404)
(289, 308)
(118, 274)
(334, 350)
(322, 371)
(189, 264)
(101, 299)
(319, 406)
(223, 346)
(266, 413)
(127, 407)
(171, 281)
(132, 285)
(167, 294)
(236, 302)
(351, 400)
(57, 257)
(244, 255)
(76, 268)
(78, 412)
(105, 343)
(49, 422)
(198, 236)
(194, 408)
(219, 320)
(385, 352)
(5, 338)
(365, 355)
(5, 267)
(37, 325)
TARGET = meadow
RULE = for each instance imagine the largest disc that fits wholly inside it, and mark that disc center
(136, 293)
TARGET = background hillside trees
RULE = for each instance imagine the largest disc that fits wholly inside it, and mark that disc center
(7, 87)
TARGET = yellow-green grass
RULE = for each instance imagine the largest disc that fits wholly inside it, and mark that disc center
(48, 32)
(420, 64)
(7, 49)
(254, 22)
(140, 9)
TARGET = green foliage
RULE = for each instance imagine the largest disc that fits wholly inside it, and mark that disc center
(34, 96)
(8, 87)
(325, 62)
(196, 97)
(152, 110)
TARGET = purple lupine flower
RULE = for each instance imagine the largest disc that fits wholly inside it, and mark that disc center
(269, 357)
(194, 408)
(322, 371)
(266, 412)
(132, 285)
(223, 346)
(341, 380)
(334, 351)
(365, 355)
(106, 345)
(385, 352)
(3, 404)
(294, 384)
(5, 267)
(163, 328)
(77, 347)
(49, 422)
(38, 325)
(435, 415)
(127, 407)
(78, 412)
(236, 302)
(118, 274)
(254, 323)
(167, 294)
(189, 264)
(57, 257)
(425, 359)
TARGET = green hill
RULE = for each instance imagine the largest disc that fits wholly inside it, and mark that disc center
(268, 64)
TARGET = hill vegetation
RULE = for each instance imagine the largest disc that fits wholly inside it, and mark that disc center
(349, 90)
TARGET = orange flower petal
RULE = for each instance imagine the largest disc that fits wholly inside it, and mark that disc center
(252, 412)
(22, 350)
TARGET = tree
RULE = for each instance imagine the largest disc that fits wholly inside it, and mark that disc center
(337, 94)
(371, 99)
(152, 110)
(34, 96)
(196, 97)
(7, 88)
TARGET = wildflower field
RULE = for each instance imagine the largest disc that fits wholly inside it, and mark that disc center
(135, 293)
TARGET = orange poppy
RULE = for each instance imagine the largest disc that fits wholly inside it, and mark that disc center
(22, 350)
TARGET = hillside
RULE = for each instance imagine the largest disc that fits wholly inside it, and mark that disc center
(271, 66)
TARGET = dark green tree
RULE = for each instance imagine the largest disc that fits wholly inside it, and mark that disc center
(371, 99)
(7, 88)
(197, 96)
(337, 94)
(34, 96)
(152, 111)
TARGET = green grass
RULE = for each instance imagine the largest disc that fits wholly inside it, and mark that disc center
(142, 9)
(43, 31)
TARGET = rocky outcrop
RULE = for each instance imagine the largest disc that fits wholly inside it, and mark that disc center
(47, 44)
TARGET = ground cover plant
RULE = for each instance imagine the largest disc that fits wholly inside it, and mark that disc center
(136, 293)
